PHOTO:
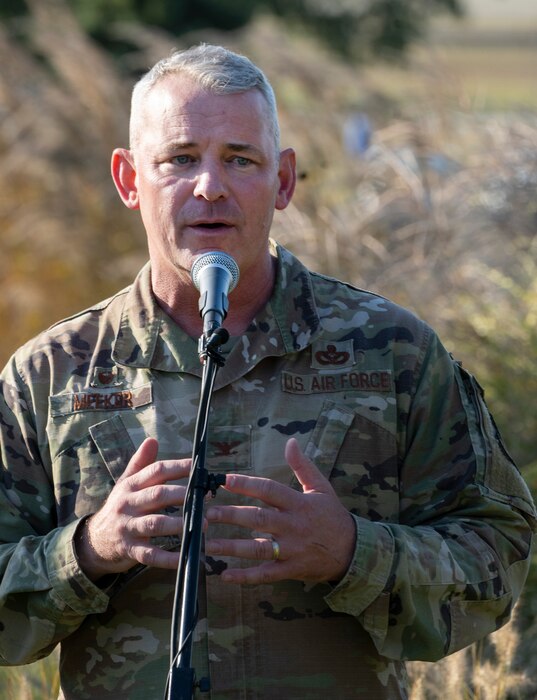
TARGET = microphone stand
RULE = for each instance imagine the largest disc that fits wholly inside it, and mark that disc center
(182, 682)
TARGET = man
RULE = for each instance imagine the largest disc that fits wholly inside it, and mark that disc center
(369, 502)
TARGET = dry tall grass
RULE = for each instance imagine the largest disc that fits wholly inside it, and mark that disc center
(62, 234)
(438, 213)
(39, 681)
(484, 671)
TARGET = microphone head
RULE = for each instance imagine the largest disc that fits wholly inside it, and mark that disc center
(215, 259)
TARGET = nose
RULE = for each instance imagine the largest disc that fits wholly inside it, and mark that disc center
(210, 183)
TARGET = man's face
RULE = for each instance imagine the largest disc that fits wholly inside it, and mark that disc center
(206, 174)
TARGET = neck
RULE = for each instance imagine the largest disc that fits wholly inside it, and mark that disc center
(178, 297)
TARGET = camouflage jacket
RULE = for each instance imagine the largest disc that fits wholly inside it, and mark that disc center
(443, 517)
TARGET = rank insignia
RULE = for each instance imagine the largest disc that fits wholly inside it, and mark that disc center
(332, 354)
(105, 376)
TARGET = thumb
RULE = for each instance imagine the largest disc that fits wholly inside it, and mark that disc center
(145, 455)
(309, 477)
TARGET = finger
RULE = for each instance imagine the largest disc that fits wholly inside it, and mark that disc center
(145, 455)
(251, 517)
(156, 498)
(154, 556)
(309, 477)
(258, 549)
(158, 525)
(270, 492)
(159, 473)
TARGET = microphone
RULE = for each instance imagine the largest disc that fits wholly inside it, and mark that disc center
(215, 275)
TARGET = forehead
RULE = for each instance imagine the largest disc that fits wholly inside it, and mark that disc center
(177, 107)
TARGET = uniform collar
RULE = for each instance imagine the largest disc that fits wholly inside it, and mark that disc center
(148, 338)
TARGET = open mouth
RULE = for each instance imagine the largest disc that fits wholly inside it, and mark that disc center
(212, 225)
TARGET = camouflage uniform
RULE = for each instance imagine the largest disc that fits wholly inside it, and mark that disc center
(443, 517)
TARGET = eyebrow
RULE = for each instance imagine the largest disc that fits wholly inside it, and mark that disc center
(178, 145)
(237, 147)
(243, 148)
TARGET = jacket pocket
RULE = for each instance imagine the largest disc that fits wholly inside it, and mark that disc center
(87, 467)
(496, 470)
(114, 444)
(327, 437)
(359, 457)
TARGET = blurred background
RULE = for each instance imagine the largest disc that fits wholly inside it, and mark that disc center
(415, 124)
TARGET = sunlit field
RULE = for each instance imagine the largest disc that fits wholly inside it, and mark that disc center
(484, 67)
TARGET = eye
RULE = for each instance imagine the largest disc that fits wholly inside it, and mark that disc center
(182, 159)
(241, 161)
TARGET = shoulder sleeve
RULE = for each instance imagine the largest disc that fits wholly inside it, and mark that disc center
(44, 595)
(450, 571)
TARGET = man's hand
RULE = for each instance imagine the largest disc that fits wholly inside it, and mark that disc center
(119, 535)
(314, 532)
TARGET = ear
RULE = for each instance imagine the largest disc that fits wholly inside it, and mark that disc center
(287, 177)
(124, 176)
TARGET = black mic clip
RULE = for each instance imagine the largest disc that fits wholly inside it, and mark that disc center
(210, 482)
(209, 347)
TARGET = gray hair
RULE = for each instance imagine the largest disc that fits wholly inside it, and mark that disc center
(214, 68)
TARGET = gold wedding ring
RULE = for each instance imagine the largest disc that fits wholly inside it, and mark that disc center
(275, 550)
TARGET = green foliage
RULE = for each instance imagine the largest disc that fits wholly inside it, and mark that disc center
(12, 8)
(96, 16)
(362, 29)
(354, 28)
